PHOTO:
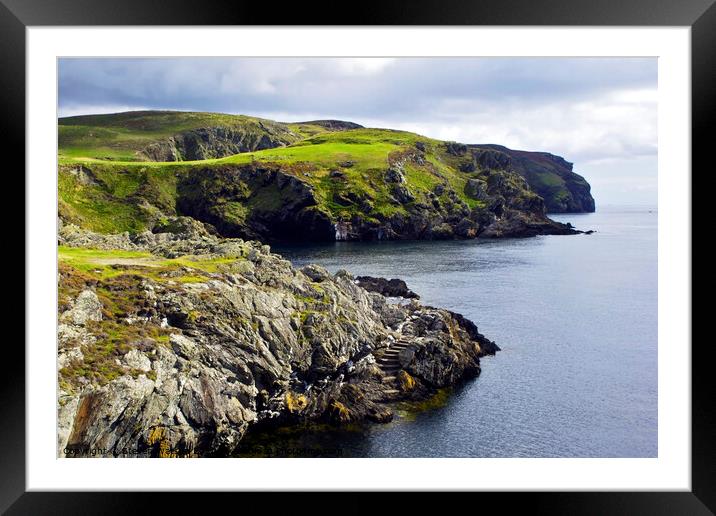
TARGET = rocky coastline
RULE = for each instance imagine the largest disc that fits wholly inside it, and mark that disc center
(177, 343)
(180, 331)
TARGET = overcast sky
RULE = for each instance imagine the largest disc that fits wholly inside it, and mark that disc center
(599, 113)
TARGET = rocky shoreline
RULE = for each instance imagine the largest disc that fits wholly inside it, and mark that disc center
(178, 343)
(509, 208)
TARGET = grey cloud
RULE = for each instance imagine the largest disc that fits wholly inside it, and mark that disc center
(406, 86)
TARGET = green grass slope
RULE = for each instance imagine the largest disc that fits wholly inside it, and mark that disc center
(133, 171)
(124, 136)
(345, 170)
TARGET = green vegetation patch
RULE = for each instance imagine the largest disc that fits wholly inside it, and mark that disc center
(345, 172)
(104, 264)
(123, 136)
(112, 198)
(409, 410)
(117, 277)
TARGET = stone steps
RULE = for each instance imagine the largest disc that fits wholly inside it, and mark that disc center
(394, 350)
(388, 362)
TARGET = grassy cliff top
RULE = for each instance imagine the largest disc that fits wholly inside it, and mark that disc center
(337, 165)
(123, 136)
(108, 181)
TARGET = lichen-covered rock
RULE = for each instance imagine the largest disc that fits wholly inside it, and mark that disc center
(160, 359)
(135, 359)
(86, 308)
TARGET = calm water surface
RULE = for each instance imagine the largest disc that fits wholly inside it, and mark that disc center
(575, 316)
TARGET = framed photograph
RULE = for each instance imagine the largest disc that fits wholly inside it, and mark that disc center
(443, 248)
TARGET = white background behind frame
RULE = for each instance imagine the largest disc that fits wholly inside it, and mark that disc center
(670, 471)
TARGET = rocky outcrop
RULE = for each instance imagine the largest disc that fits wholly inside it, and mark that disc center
(215, 142)
(266, 202)
(254, 201)
(184, 348)
(386, 287)
(550, 176)
(510, 209)
(333, 125)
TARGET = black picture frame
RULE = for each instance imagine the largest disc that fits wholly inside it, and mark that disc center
(700, 15)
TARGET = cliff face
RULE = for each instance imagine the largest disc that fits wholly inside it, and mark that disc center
(550, 176)
(408, 198)
(177, 343)
(281, 207)
(309, 181)
(215, 142)
(254, 201)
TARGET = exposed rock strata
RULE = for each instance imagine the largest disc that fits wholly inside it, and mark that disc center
(214, 142)
(262, 201)
(551, 177)
(152, 364)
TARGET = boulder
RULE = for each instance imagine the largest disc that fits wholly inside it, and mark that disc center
(476, 189)
(402, 194)
(386, 287)
(87, 307)
(395, 175)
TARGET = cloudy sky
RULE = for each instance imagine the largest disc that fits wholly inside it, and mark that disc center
(599, 113)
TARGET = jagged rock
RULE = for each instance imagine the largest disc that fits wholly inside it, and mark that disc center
(135, 359)
(550, 176)
(390, 288)
(209, 195)
(185, 226)
(456, 149)
(402, 194)
(488, 159)
(86, 308)
(443, 231)
(476, 189)
(395, 175)
(84, 175)
(467, 228)
(183, 346)
(316, 272)
(334, 125)
(68, 357)
(237, 346)
(214, 142)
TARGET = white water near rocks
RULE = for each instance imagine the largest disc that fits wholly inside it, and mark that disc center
(575, 316)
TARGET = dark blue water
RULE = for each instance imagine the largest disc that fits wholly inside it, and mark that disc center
(576, 317)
